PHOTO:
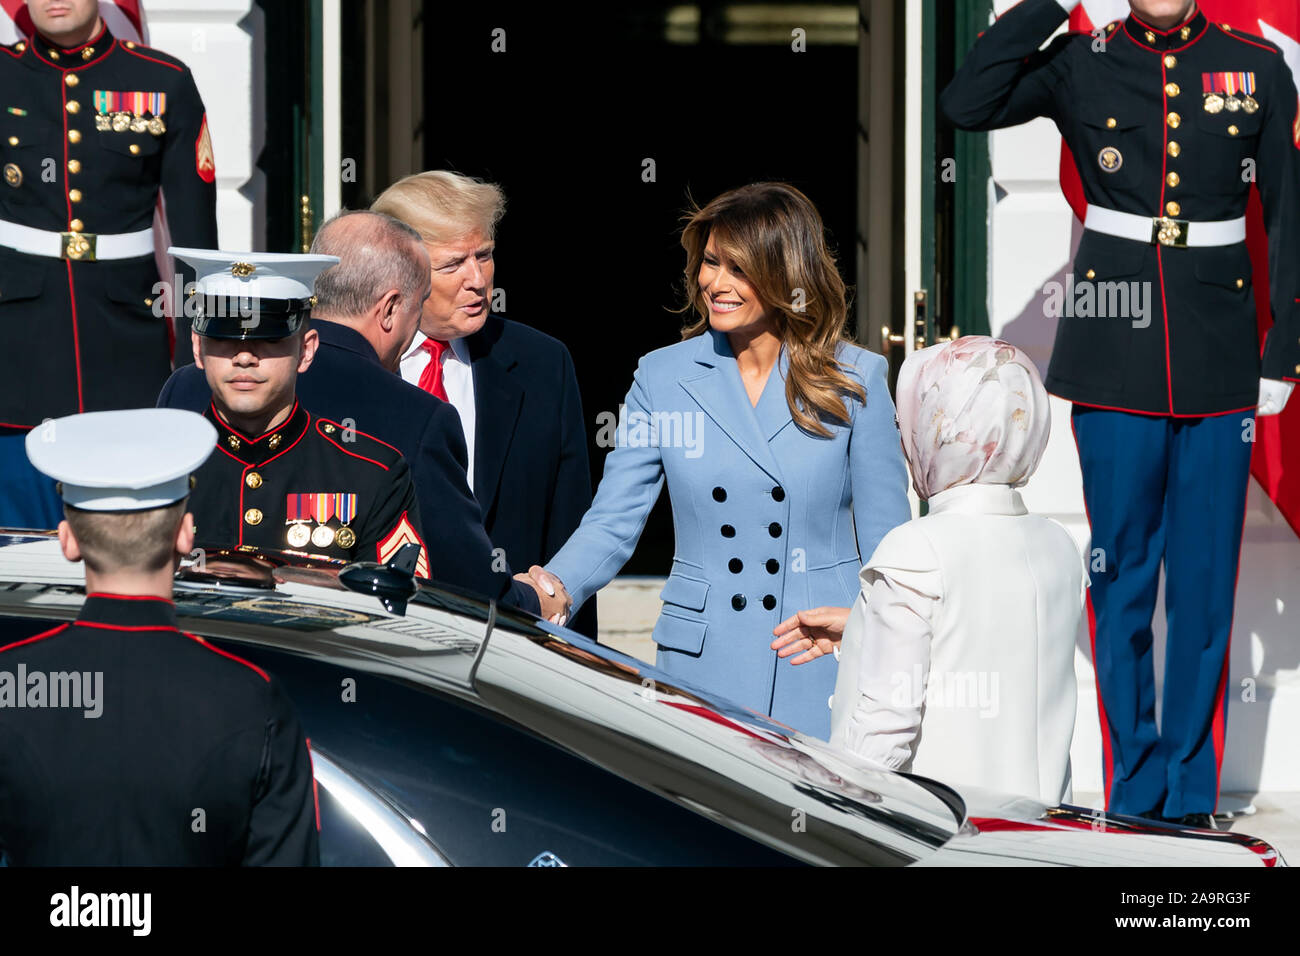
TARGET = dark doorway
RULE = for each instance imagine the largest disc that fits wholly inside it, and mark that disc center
(566, 118)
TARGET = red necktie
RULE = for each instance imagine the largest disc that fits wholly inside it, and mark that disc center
(431, 377)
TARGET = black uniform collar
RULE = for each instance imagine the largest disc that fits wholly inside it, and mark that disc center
(264, 447)
(127, 612)
(50, 53)
(1156, 40)
(345, 337)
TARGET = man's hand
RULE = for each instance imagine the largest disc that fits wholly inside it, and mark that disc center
(1273, 394)
(555, 600)
(814, 633)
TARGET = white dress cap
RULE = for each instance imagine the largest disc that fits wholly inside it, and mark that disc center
(254, 275)
(123, 460)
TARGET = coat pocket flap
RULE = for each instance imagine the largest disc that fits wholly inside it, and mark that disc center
(679, 633)
(685, 592)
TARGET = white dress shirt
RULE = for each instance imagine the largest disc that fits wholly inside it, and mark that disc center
(457, 380)
(958, 657)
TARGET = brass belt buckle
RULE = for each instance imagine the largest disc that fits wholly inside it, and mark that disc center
(77, 245)
(1169, 232)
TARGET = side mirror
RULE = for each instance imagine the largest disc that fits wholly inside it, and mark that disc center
(393, 583)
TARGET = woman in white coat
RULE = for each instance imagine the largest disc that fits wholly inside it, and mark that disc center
(957, 659)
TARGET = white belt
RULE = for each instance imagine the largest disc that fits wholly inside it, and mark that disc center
(83, 246)
(1166, 232)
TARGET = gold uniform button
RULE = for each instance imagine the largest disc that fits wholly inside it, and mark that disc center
(1171, 61)
(73, 106)
(76, 225)
(72, 79)
(21, 47)
(1111, 123)
(1174, 148)
(1091, 273)
(74, 165)
(54, 54)
(1173, 208)
(1174, 120)
(253, 516)
(135, 149)
(74, 195)
(1233, 131)
(1172, 89)
(74, 136)
(253, 480)
(130, 44)
(13, 140)
(1241, 283)
(148, 303)
(1172, 179)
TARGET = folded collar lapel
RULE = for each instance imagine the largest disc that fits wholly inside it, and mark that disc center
(719, 391)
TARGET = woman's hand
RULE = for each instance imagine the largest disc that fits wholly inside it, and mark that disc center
(814, 633)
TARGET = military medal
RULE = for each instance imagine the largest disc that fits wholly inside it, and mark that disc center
(1110, 159)
(1230, 91)
(139, 124)
(345, 506)
(103, 123)
(299, 531)
(156, 126)
(121, 122)
(1213, 103)
(1250, 104)
(1233, 104)
(321, 508)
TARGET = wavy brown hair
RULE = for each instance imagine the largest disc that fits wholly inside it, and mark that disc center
(775, 235)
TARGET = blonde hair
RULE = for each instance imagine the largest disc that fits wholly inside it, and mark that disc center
(127, 540)
(775, 235)
(442, 206)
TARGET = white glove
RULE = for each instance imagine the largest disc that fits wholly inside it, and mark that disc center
(1068, 5)
(1273, 394)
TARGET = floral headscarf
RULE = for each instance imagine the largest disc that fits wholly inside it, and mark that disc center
(973, 411)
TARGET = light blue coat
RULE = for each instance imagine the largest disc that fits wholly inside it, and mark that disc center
(763, 514)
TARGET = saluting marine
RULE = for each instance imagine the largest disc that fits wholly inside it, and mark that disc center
(283, 478)
(91, 129)
(1170, 118)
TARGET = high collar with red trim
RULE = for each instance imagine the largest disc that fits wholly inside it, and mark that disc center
(255, 451)
(1158, 41)
(127, 610)
(46, 53)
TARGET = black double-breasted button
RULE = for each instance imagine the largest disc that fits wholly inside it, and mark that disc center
(773, 565)
(778, 493)
(728, 531)
(769, 601)
(735, 565)
(719, 493)
(774, 529)
(738, 601)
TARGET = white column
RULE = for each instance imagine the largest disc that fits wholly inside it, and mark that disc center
(221, 42)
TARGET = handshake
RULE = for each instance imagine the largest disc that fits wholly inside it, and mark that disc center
(555, 600)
